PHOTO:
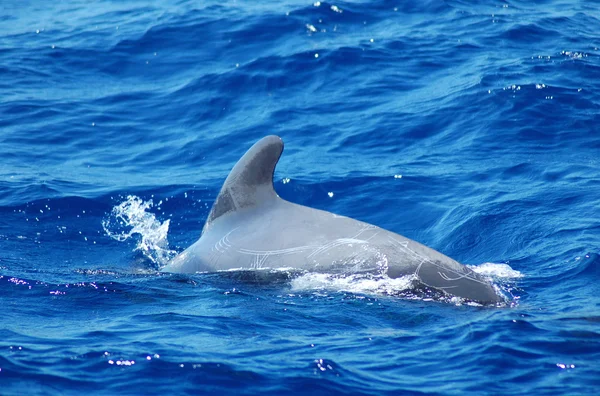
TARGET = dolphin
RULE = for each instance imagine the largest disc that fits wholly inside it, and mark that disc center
(251, 227)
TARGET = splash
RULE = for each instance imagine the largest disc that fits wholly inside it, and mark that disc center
(502, 277)
(356, 284)
(496, 271)
(131, 218)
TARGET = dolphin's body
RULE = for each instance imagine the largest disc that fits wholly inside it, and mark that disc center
(251, 227)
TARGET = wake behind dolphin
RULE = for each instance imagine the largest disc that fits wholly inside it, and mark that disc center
(251, 227)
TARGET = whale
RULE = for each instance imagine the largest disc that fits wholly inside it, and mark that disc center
(250, 227)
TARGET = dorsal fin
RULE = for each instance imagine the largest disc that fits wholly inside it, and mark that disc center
(250, 182)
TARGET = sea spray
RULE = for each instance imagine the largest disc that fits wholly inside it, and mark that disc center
(131, 218)
(502, 276)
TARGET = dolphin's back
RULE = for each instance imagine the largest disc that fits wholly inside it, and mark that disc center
(251, 227)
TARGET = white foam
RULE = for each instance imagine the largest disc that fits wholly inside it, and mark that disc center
(359, 284)
(496, 271)
(131, 218)
(499, 274)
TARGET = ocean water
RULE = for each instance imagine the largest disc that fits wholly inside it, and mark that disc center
(472, 127)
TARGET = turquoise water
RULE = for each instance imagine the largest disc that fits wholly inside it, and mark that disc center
(469, 127)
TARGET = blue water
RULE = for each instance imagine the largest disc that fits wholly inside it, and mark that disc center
(471, 127)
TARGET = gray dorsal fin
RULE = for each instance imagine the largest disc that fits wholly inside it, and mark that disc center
(250, 182)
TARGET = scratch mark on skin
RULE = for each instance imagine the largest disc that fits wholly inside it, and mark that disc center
(254, 263)
(226, 240)
(224, 243)
(276, 252)
(368, 227)
(336, 243)
(260, 257)
(317, 248)
(342, 241)
(440, 287)
(219, 248)
(373, 236)
(397, 242)
(447, 278)
(404, 247)
(259, 260)
(262, 261)
(214, 257)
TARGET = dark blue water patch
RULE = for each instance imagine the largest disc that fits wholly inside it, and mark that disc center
(529, 32)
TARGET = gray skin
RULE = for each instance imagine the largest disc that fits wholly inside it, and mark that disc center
(251, 227)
